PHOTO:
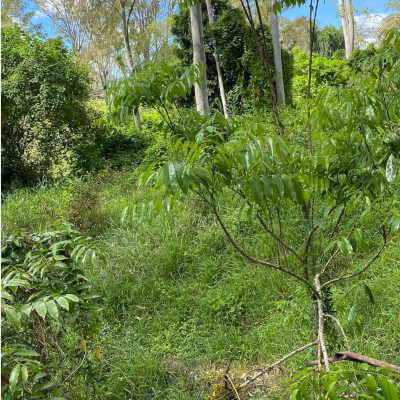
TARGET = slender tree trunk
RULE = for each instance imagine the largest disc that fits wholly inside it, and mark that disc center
(280, 88)
(347, 15)
(199, 56)
(129, 57)
(219, 72)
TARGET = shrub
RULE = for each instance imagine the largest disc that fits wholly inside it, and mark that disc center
(47, 310)
(43, 95)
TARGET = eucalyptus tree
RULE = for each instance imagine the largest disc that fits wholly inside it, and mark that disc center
(71, 18)
(199, 58)
(280, 89)
(210, 13)
(346, 12)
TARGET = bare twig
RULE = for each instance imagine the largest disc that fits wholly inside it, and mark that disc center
(340, 278)
(252, 259)
(276, 363)
(341, 329)
(75, 370)
(278, 238)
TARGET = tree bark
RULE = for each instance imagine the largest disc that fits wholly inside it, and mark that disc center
(347, 15)
(280, 88)
(129, 57)
(199, 56)
(216, 57)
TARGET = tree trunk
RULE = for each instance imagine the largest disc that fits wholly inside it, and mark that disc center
(280, 88)
(129, 57)
(347, 15)
(199, 56)
(219, 72)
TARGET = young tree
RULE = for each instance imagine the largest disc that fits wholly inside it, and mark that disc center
(280, 89)
(210, 13)
(296, 33)
(199, 58)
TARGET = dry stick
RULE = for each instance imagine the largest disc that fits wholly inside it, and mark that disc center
(355, 357)
(341, 329)
(254, 260)
(276, 363)
(340, 278)
(320, 317)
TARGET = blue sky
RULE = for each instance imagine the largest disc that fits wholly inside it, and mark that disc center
(327, 13)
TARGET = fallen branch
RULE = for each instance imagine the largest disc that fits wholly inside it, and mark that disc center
(355, 357)
(276, 363)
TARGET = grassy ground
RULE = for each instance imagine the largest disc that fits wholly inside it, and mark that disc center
(179, 304)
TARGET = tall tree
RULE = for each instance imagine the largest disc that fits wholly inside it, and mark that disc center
(199, 57)
(210, 13)
(280, 88)
(346, 13)
(295, 33)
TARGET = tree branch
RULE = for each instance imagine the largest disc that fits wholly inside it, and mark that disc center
(254, 260)
(340, 278)
(341, 329)
(276, 363)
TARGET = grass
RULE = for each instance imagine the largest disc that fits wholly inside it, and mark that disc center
(179, 304)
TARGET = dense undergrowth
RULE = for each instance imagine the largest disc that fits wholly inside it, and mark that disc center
(179, 304)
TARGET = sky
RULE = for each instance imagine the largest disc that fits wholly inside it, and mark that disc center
(327, 14)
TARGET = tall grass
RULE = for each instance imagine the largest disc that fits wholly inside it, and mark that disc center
(179, 304)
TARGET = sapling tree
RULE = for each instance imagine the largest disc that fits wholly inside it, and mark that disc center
(337, 198)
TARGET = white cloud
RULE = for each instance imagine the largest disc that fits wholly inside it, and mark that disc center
(38, 14)
(369, 21)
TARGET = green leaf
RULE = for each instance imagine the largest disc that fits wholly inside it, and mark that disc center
(13, 318)
(170, 177)
(368, 292)
(52, 309)
(345, 246)
(391, 168)
(24, 373)
(63, 302)
(370, 383)
(27, 353)
(14, 377)
(388, 388)
(72, 297)
(41, 309)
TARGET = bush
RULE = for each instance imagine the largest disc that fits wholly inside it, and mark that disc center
(43, 95)
(47, 316)
(325, 72)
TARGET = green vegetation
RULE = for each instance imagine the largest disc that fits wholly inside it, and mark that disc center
(151, 251)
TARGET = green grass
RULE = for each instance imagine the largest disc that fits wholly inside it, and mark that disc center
(179, 304)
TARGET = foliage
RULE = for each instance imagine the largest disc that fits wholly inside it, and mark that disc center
(43, 94)
(328, 41)
(45, 294)
(244, 79)
(361, 57)
(325, 72)
(349, 382)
